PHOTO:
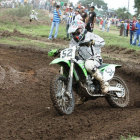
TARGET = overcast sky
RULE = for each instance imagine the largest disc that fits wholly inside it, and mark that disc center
(115, 4)
(120, 3)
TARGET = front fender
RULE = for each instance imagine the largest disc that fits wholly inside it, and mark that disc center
(63, 62)
(60, 60)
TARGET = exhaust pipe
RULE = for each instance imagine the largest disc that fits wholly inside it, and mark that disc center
(111, 88)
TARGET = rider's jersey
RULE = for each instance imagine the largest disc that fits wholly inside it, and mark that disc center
(85, 51)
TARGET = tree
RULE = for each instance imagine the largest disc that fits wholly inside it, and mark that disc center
(98, 3)
(137, 6)
(122, 13)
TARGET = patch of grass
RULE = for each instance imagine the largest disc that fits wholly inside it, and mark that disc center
(17, 41)
(21, 11)
(41, 30)
(116, 40)
(34, 30)
(129, 138)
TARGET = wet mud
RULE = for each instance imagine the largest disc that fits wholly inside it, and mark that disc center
(26, 111)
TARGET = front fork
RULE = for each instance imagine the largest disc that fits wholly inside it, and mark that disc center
(70, 78)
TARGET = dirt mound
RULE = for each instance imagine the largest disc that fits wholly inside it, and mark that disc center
(15, 33)
(5, 34)
(122, 54)
(27, 112)
(37, 38)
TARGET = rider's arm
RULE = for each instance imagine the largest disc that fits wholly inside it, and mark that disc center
(98, 40)
(72, 43)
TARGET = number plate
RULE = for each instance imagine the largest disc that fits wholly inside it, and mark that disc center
(68, 53)
(109, 72)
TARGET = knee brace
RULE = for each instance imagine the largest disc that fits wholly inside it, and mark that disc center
(90, 65)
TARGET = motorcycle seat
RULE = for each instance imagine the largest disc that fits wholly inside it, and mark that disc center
(103, 65)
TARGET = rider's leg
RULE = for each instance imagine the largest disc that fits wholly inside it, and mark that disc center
(91, 66)
(104, 85)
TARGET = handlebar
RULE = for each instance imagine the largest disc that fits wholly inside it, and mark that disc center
(89, 43)
(56, 52)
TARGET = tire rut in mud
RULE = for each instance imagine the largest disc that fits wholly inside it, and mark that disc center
(27, 111)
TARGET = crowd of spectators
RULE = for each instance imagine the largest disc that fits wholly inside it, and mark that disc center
(131, 27)
(61, 12)
(70, 14)
(88, 16)
(127, 27)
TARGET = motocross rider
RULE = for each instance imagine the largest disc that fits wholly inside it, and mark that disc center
(91, 55)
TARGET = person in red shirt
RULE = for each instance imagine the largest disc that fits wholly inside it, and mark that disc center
(132, 28)
(101, 23)
(128, 27)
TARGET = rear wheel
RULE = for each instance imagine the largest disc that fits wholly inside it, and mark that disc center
(62, 102)
(123, 99)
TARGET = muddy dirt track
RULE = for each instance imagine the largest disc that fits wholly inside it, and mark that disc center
(26, 112)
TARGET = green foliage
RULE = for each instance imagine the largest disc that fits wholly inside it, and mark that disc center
(65, 1)
(98, 3)
(137, 6)
(21, 11)
(129, 138)
(123, 13)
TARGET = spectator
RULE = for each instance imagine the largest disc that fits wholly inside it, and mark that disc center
(103, 25)
(83, 14)
(62, 4)
(137, 33)
(97, 20)
(33, 16)
(77, 15)
(86, 10)
(70, 17)
(64, 16)
(55, 22)
(91, 19)
(108, 25)
(79, 5)
(125, 28)
(128, 27)
(132, 28)
(121, 28)
(50, 7)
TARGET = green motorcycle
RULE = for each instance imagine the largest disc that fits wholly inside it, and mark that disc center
(74, 77)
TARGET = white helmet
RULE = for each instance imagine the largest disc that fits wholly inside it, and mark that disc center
(77, 30)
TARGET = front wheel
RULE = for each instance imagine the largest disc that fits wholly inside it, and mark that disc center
(115, 101)
(62, 102)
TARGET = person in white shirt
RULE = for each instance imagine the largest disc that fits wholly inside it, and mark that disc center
(108, 25)
(69, 18)
(78, 16)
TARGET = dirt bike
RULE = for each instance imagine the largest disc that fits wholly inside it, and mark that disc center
(74, 77)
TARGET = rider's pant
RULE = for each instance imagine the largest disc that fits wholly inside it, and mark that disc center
(91, 65)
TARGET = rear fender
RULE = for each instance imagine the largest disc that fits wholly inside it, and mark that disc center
(109, 71)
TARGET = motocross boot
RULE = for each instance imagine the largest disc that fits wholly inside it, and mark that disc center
(104, 85)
